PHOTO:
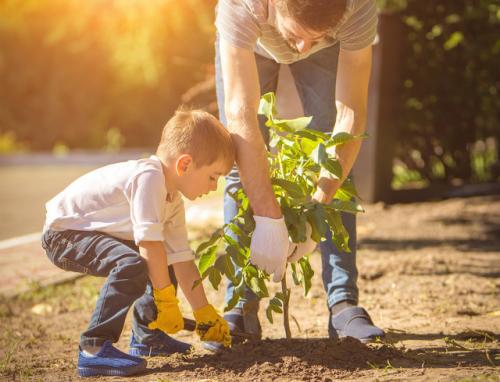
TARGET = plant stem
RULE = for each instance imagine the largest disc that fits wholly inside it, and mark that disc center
(286, 320)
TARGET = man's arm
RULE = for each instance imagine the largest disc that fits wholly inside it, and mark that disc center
(351, 99)
(269, 246)
(242, 96)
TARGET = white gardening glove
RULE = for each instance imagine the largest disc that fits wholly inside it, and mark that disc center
(269, 246)
(297, 250)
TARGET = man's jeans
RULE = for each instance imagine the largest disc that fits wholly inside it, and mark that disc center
(315, 79)
(99, 254)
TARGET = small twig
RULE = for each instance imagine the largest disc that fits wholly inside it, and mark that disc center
(286, 320)
(296, 323)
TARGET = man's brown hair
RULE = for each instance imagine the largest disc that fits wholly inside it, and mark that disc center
(317, 15)
(199, 134)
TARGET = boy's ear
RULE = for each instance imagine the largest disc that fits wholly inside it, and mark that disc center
(183, 164)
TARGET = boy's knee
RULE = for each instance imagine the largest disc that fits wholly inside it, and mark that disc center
(135, 269)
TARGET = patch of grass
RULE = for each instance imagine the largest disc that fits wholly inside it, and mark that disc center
(481, 378)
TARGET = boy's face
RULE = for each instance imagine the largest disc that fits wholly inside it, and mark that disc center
(194, 181)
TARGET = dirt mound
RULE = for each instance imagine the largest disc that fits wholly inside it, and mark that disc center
(296, 359)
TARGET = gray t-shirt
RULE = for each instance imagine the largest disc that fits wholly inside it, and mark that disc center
(250, 24)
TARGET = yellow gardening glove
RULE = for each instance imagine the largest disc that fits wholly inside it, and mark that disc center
(218, 330)
(169, 318)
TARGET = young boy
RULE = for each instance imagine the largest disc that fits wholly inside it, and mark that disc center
(126, 222)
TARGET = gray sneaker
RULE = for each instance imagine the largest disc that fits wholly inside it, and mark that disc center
(355, 322)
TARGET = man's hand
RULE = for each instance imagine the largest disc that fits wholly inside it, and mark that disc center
(326, 189)
(297, 250)
(269, 246)
(218, 330)
(169, 318)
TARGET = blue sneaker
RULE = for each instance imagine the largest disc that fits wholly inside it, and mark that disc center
(163, 345)
(109, 361)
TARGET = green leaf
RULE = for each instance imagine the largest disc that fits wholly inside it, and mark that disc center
(236, 255)
(235, 228)
(295, 221)
(295, 276)
(292, 124)
(313, 134)
(267, 105)
(346, 206)
(269, 314)
(307, 272)
(197, 282)
(229, 240)
(214, 277)
(207, 259)
(258, 286)
(276, 302)
(239, 292)
(215, 236)
(307, 146)
(319, 154)
(293, 189)
(347, 191)
(226, 267)
(340, 236)
(333, 167)
(275, 140)
(316, 218)
(232, 302)
(276, 308)
(342, 137)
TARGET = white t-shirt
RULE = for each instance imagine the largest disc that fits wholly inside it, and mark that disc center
(127, 200)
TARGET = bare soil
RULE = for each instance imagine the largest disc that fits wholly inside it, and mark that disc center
(429, 275)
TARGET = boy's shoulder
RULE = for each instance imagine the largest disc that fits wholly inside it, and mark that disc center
(132, 167)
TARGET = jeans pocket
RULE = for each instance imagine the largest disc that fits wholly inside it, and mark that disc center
(62, 251)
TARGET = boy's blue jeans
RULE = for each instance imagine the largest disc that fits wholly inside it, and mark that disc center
(127, 282)
(315, 79)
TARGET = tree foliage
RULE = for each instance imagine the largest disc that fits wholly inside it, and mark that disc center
(449, 88)
(297, 154)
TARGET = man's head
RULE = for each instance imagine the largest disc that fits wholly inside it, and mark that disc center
(305, 22)
(197, 150)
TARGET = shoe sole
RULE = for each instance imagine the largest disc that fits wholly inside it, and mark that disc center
(362, 340)
(106, 371)
(213, 347)
(140, 353)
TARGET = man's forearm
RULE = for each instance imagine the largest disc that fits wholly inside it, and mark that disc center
(187, 273)
(252, 163)
(349, 122)
(242, 94)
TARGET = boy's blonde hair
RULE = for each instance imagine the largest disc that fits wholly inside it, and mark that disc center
(199, 134)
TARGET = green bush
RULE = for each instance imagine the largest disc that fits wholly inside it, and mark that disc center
(449, 126)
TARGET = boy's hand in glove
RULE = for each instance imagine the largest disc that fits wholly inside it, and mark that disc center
(218, 329)
(169, 318)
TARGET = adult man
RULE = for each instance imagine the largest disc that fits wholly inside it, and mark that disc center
(327, 45)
